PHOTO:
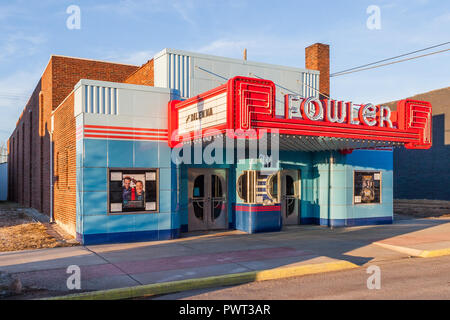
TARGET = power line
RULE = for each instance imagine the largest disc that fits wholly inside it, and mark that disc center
(12, 96)
(278, 85)
(402, 55)
(389, 63)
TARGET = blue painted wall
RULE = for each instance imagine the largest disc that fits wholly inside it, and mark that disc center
(371, 213)
(424, 174)
(326, 191)
(94, 224)
(333, 188)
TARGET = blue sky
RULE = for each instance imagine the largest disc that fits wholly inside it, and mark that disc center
(131, 31)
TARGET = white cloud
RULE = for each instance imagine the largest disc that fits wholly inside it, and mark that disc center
(133, 57)
(138, 57)
(20, 44)
(128, 7)
(224, 47)
(184, 11)
(442, 19)
(15, 90)
(8, 11)
(281, 50)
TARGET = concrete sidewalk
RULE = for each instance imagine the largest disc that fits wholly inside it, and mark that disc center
(428, 242)
(220, 253)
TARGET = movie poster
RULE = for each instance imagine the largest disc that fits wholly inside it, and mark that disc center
(367, 187)
(132, 190)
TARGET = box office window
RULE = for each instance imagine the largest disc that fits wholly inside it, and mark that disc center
(367, 187)
(133, 190)
(272, 186)
(246, 186)
(257, 187)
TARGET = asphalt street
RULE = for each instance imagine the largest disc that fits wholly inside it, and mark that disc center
(408, 278)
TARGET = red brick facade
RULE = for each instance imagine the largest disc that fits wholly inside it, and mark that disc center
(143, 76)
(317, 57)
(29, 144)
(64, 165)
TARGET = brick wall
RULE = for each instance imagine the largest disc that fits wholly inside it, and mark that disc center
(317, 57)
(45, 109)
(68, 71)
(29, 144)
(143, 76)
(64, 165)
(24, 156)
(440, 101)
(424, 174)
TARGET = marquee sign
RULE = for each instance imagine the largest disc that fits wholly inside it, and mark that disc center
(333, 111)
(205, 113)
(247, 103)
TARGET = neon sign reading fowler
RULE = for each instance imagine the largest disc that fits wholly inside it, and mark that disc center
(334, 111)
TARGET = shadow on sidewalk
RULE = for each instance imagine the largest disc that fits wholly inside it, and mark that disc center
(203, 254)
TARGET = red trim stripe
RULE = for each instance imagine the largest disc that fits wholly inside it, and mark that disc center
(127, 133)
(124, 128)
(257, 208)
(124, 137)
(377, 132)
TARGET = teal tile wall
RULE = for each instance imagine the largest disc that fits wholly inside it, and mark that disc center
(94, 157)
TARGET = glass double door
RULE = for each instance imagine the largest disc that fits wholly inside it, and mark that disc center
(207, 199)
(290, 196)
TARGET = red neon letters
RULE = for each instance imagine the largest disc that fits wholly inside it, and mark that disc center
(337, 111)
(250, 105)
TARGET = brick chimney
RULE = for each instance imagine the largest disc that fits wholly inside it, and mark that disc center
(317, 57)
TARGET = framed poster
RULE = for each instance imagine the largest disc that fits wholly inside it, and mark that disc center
(366, 187)
(132, 190)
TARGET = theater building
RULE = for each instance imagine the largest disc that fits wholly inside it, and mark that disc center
(194, 142)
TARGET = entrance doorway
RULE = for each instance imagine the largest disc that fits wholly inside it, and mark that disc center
(207, 202)
(290, 196)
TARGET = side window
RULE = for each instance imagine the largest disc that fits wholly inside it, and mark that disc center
(57, 170)
(133, 190)
(246, 185)
(67, 169)
(41, 114)
(272, 186)
(242, 188)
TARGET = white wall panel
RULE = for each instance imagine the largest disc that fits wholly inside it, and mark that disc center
(207, 72)
(122, 104)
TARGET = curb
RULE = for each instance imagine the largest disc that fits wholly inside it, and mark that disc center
(416, 252)
(207, 282)
(435, 253)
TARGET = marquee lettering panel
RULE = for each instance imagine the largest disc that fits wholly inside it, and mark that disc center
(250, 104)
